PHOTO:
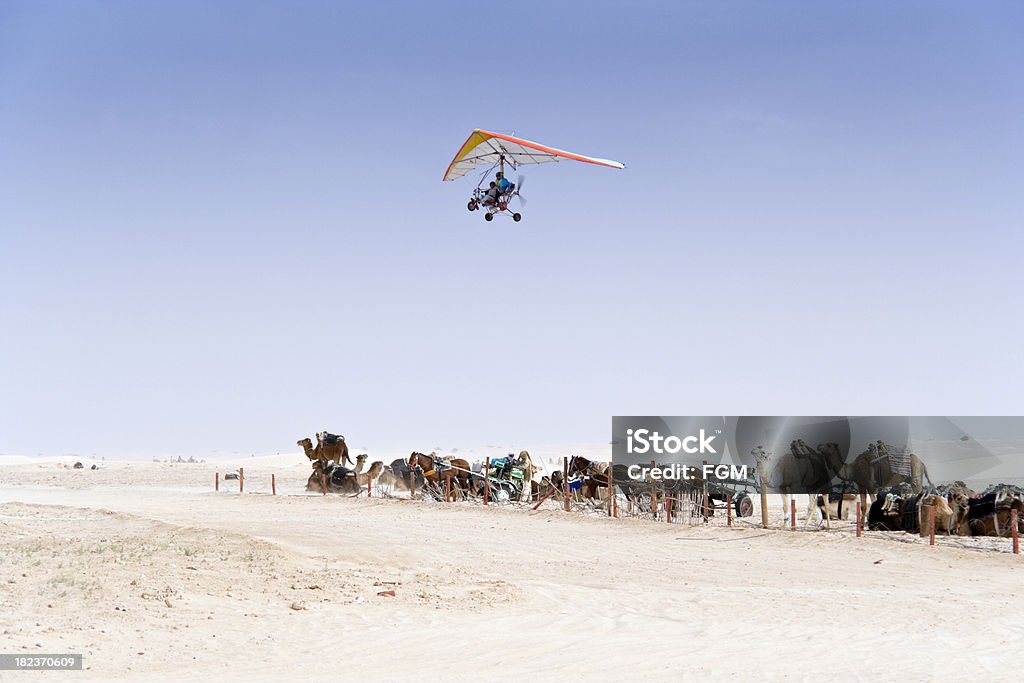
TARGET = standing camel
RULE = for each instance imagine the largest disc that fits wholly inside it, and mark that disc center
(332, 447)
(802, 467)
(877, 467)
(329, 447)
(307, 447)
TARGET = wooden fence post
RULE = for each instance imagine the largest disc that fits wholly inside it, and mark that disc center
(241, 479)
(447, 488)
(931, 525)
(668, 510)
(611, 491)
(654, 494)
(216, 482)
(762, 478)
(369, 487)
(273, 484)
(728, 506)
(565, 481)
(858, 520)
(487, 479)
(792, 513)
(323, 482)
(1013, 531)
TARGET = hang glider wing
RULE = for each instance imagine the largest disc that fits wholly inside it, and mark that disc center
(483, 148)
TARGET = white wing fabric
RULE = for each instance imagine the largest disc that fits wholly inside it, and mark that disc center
(483, 148)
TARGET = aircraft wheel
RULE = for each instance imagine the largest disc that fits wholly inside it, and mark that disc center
(471, 205)
(517, 217)
(488, 216)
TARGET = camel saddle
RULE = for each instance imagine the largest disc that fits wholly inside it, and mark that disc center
(899, 461)
(339, 474)
(909, 520)
(987, 504)
(329, 439)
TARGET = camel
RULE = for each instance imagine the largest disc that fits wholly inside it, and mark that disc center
(339, 479)
(839, 505)
(360, 462)
(399, 475)
(387, 477)
(307, 448)
(886, 513)
(332, 447)
(314, 483)
(893, 512)
(989, 515)
(371, 474)
(950, 513)
(802, 467)
(873, 470)
(335, 452)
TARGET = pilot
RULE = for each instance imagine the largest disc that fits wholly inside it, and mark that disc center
(499, 187)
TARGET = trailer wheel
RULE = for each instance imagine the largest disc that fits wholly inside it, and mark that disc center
(744, 506)
(501, 493)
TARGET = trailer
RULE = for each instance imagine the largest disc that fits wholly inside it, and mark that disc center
(740, 490)
(689, 500)
(506, 479)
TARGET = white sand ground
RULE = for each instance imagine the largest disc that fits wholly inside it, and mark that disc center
(142, 568)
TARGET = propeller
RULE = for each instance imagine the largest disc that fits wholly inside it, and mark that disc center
(519, 190)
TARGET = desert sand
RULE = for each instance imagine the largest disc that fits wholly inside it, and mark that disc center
(153, 576)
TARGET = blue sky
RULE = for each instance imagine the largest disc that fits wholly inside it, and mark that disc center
(222, 225)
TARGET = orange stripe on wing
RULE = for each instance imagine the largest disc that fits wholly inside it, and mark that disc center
(554, 151)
